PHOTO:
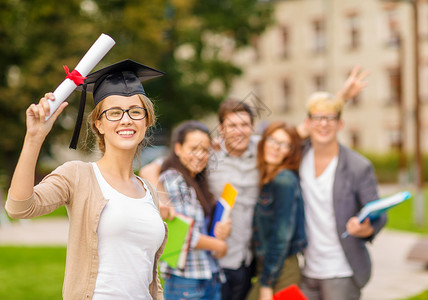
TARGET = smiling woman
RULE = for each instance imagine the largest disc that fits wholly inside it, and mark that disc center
(278, 223)
(119, 258)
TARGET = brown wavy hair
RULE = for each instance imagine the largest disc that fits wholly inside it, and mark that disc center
(291, 160)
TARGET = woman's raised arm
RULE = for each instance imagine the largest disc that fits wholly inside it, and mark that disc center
(38, 128)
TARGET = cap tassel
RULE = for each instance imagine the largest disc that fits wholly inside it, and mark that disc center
(79, 120)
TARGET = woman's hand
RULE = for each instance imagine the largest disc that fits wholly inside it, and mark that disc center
(22, 182)
(357, 229)
(222, 229)
(220, 249)
(266, 293)
(354, 84)
(37, 125)
(167, 212)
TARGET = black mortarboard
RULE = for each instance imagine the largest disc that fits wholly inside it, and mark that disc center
(123, 78)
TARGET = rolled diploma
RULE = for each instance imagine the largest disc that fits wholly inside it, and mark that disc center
(98, 50)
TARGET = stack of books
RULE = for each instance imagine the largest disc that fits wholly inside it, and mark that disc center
(224, 206)
(178, 243)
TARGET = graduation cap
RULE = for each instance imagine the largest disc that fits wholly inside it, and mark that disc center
(123, 78)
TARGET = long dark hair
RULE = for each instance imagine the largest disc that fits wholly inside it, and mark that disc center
(199, 182)
(290, 162)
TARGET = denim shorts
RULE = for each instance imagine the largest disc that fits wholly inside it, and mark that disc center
(176, 288)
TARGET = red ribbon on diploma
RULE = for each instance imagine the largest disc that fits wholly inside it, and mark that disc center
(75, 76)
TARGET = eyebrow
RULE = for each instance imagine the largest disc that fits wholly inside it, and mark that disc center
(131, 106)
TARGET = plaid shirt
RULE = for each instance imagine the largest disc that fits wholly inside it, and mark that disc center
(199, 264)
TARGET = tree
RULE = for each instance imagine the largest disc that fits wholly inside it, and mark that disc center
(41, 36)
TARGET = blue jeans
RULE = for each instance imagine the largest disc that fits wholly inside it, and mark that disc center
(177, 288)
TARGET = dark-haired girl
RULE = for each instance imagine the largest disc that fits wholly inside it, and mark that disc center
(184, 179)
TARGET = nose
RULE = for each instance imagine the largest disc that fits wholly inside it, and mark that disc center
(323, 121)
(126, 119)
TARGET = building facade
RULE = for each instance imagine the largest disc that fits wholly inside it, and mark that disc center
(312, 45)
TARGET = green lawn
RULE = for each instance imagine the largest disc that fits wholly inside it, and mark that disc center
(423, 296)
(28, 273)
(38, 272)
(401, 217)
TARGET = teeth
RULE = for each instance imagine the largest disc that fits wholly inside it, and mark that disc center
(127, 132)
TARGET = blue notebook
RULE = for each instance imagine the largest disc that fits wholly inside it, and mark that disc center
(374, 209)
(224, 206)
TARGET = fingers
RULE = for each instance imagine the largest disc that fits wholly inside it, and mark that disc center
(171, 213)
(58, 111)
(355, 228)
(42, 109)
(355, 71)
(45, 108)
(363, 75)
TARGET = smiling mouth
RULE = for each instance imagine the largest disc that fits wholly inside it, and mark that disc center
(126, 132)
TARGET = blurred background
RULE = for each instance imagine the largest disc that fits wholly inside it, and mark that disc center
(272, 54)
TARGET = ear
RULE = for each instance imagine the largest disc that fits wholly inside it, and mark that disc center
(221, 130)
(307, 124)
(340, 125)
(99, 126)
(177, 149)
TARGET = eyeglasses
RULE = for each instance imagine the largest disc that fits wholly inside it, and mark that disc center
(281, 145)
(116, 114)
(330, 119)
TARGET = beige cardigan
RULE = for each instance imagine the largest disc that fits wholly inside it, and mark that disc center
(74, 185)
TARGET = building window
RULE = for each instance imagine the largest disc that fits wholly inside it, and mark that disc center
(285, 103)
(393, 35)
(354, 31)
(355, 139)
(319, 82)
(423, 20)
(394, 83)
(285, 43)
(424, 87)
(257, 89)
(319, 33)
(394, 138)
(357, 99)
(255, 41)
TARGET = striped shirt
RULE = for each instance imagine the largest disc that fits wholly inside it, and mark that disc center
(199, 264)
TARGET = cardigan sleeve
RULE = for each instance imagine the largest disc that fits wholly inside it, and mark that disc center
(52, 192)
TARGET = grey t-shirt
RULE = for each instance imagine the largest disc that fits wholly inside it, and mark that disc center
(243, 174)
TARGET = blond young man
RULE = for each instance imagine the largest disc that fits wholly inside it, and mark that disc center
(336, 182)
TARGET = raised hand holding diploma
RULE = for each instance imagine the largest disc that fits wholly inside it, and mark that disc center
(37, 125)
(74, 78)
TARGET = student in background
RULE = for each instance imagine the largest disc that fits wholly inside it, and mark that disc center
(116, 234)
(336, 183)
(183, 175)
(235, 162)
(279, 225)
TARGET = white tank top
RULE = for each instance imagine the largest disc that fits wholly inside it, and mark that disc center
(130, 232)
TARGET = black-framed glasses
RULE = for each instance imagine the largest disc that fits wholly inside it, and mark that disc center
(281, 145)
(116, 114)
(330, 119)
